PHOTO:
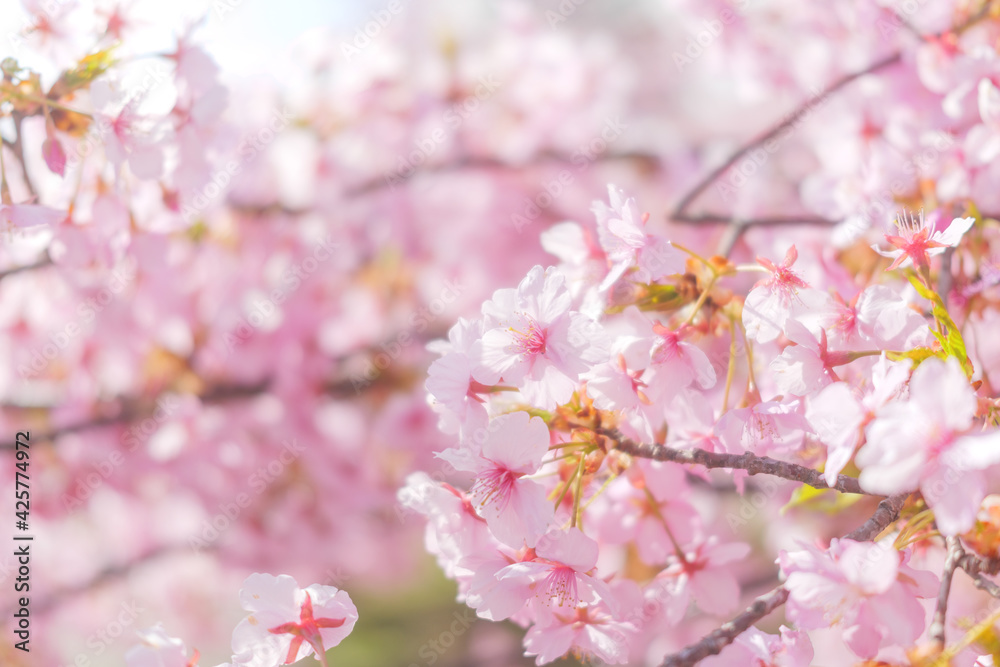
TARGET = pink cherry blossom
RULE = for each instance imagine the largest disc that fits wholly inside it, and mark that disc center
(838, 416)
(532, 336)
(867, 590)
(621, 230)
(702, 574)
(288, 623)
(513, 505)
(920, 239)
(557, 579)
(790, 648)
(772, 300)
(767, 427)
(593, 632)
(675, 365)
(925, 442)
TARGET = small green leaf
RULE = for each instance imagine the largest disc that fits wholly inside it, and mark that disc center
(827, 501)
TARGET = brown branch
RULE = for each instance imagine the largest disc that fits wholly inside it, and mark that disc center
(770, 221)
(391, 179)
(45, 260)
(975, 564)
(715, 641)
(984, 584)
(19, 154)
(978, 567)
(133, 409)
(753, 464)
(885, 513)
(936, 630)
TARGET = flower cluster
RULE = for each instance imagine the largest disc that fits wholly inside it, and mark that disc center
(587, 406)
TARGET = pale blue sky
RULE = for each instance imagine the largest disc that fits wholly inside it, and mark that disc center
(245, 36)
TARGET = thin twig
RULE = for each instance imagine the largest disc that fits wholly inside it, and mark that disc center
(982, 583)
(45, 260)
(19, 153)
(937, 627)
(767, 221)
(791, 119)
(748, 461)
(722, 637)
(885, 513)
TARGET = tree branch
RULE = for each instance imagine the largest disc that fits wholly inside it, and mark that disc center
(45, 260)
(748, 461)
(19, 153)
(984, 584)
(936, 630)
(392, 179)
(722, 637)
(885, 513)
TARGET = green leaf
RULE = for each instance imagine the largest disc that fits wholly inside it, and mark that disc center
(952, 342)
(918, 355)
(89, 68)
(661, 297)
(827, 501)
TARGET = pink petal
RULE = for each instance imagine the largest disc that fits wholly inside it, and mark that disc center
(55, 156)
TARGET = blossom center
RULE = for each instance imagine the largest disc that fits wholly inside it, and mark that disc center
(306, 630)
(531, 341)
(560, 585)
(495, 487)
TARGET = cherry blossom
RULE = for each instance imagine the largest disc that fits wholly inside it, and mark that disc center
(925, 442)
(920, 239)
(288, 623)
(513, 504)
(772, 300)
(867, 590)
(556, 579)
(532, 335)
(621, 230)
